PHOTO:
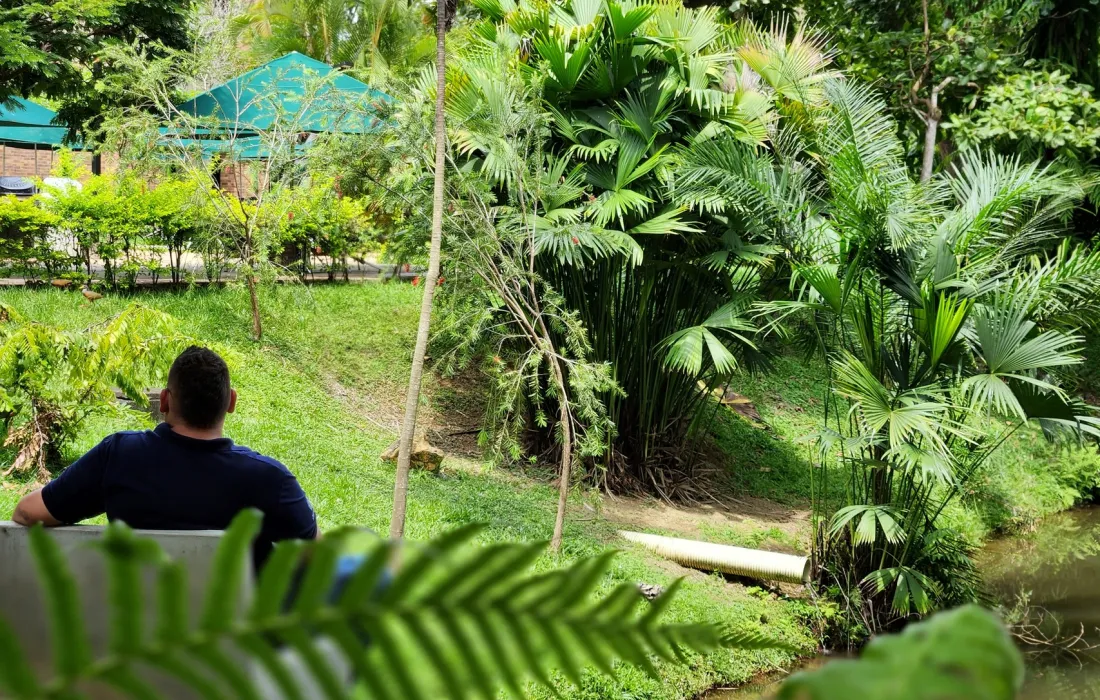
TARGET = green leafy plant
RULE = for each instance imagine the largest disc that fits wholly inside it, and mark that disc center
(52, 380)
(1037, 111)
(25, 227)
(930, 347)
(630, 92)
(455, 621)
(962, 654)
(499, 306)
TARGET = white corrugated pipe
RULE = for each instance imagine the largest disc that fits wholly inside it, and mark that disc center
(752, 563)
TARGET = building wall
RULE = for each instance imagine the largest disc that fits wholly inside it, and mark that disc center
(27, 161)
(237, 179)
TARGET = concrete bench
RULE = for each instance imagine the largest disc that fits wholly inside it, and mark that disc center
(21, 603)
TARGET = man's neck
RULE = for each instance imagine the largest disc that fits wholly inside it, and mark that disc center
(214, 433)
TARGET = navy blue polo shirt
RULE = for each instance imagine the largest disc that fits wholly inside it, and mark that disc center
(161, 480)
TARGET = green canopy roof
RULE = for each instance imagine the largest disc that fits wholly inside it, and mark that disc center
(293, 89)
(27, 122)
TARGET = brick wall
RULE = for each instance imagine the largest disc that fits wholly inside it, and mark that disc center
(27, 161)
(237, 179)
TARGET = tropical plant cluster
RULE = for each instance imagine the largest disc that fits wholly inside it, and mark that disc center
(628, 93)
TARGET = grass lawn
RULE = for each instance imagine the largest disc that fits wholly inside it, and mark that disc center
(318, 394)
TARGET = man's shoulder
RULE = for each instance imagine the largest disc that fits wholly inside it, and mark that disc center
(249, 457)
(128, 437)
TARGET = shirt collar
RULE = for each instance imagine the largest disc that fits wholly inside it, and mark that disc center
(165, 431)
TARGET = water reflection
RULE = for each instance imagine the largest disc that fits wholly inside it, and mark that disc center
(1048, 579)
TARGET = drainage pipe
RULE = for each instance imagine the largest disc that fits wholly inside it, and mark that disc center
(752, 563)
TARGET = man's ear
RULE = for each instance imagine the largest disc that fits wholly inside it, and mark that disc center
(165, 404)
(232, 401)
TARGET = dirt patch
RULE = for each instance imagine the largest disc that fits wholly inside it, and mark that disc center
(380, 406)
(458, 412)
(745, 521)
(450, 419)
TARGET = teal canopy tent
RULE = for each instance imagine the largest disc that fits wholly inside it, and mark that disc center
(243, 148)
(25, 122)
(293, 91)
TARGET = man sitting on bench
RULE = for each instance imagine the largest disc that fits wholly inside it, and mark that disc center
(184, 475)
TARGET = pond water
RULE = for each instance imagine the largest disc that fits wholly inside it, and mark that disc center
(1054, 570)
(1054, 573)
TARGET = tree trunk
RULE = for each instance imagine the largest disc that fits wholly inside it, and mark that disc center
(931, 126)
(566, 457)
(253, 299)
(412, 396)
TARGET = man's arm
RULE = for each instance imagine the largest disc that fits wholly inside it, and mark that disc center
(290, 516)
(76, 494)
(32, 510)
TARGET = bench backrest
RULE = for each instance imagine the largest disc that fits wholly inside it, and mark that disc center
(21, 603)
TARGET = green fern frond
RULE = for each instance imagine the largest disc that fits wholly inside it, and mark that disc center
(455, 621)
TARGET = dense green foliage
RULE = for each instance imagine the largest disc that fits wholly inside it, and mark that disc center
(55, 47)
(629, 93)
(372, 36)
(136, 229)
(1034, 113)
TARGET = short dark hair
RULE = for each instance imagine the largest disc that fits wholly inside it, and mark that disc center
(199, 384)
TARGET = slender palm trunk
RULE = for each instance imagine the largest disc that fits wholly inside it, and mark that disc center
(412, 396)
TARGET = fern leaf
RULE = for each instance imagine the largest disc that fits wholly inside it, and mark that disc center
(171, 604)
(16, 677)
(469, 622)
(229, 570)
(271, 593)
(414, 569)
(299, 639)
(71, 650)
(366, 579)
(261, 650)
(185, 672)
(125, 680)
(215, 658)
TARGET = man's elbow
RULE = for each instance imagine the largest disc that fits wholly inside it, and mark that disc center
(31, 510)
(21, 517)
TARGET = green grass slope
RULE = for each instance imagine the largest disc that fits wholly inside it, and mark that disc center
(311, 395)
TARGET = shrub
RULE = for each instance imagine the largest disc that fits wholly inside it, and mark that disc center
(25, 228)
(52, 380)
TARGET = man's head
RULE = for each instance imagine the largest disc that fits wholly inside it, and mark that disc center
(198, 394)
